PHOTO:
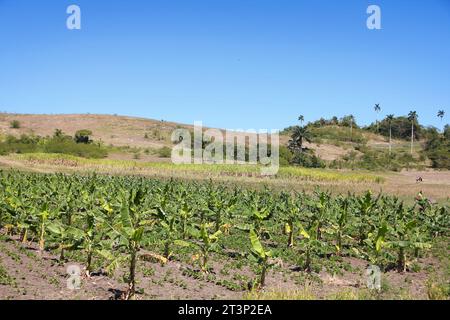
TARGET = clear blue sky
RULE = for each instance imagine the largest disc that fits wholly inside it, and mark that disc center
(230, 63)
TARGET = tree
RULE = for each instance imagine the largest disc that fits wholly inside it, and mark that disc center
(352, 120)
(389, 119)
(83, 136)
(301, 118)
(412, 116)
(377, 109)
(441, 114)
(298, 135)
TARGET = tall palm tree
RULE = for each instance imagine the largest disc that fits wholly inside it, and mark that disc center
(301, 118)
(412, 116)
(352, 120)
(441, 114)
(377, 109)
(389, 119)
(299, 134)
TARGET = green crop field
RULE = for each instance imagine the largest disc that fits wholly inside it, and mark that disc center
(141, 233)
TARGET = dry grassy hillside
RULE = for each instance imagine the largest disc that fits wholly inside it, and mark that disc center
(119, 130)
(115, 130)
(145, 133)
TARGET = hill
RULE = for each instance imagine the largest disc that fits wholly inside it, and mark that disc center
(136, 135)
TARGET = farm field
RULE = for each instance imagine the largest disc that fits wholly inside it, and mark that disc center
(435, 184)
(141, 237)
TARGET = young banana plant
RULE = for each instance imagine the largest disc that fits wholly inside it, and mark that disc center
(258, 213)
(366, 207)
(130, 228)
(43, 220)
(340, 222)
(290, 212)
(168, 223)
(310, 244)
(206, 242)
(89, 236)
(320, 210)
(375, 242)
(261, 256)
(62, 236)
(404, 236)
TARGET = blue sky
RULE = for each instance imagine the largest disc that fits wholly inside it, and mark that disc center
(229, 63)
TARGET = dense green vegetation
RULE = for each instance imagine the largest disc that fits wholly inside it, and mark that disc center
(346, 133)
(80, 145)
(113, 221)
(437, 148)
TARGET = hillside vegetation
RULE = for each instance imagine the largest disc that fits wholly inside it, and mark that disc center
(334, 143)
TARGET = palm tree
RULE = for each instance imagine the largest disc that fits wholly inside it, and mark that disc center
(301, 118)
(412, 116)
(389, 119)
(377, 109)
(352, 120)
(298, 135)
(441, 114)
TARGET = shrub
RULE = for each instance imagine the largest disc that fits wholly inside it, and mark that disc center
(83, 136)
(307, 160)
(165, 152)
(15, 124)
(75, 149)
(57, 144)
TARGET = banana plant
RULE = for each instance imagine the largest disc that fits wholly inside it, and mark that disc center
(185, 213)
(259, 211)
(261, 257)
(168, 223)
(309, 244)
(406, 236)
(62, 236)
(340, 221)
(130, 228)
(290, 212)
(320, 209)
(365, 210)
(206, 242)
(89, 236)
(43, 220)
(376, 241)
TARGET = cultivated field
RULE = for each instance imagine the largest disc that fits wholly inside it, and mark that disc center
(144, 228)
(135, 237)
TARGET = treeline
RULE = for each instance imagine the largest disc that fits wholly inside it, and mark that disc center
(437, 147)
(338, 131)
(79, 145)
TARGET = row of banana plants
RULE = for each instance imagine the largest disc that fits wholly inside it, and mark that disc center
(119, 220)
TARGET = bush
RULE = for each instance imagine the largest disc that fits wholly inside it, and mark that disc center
(285, 156)
(57, 144)
(338, 133)
(15, 124)
(437, 149)
(80, 150)
(165, 152)
(83, 136)
(307, 160)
